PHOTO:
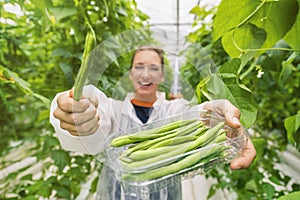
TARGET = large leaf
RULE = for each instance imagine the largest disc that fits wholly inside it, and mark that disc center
(225, 85)
(230, 14)
(291, 196)
(292, 37)
(248, 36)
(275, 17)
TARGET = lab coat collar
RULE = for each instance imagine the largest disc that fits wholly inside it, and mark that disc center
(129, 109)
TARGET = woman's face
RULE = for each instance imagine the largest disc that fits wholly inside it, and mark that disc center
(146, 74)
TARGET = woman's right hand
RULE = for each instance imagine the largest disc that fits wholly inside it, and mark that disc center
(79, 118)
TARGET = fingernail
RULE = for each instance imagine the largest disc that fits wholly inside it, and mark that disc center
(236, 120)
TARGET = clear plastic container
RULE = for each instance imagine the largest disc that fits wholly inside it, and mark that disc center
(135, 183)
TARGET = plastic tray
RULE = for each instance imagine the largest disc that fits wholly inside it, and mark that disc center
(233, 146)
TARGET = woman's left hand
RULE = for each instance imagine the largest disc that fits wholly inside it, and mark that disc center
(231, 114)
(246, 158)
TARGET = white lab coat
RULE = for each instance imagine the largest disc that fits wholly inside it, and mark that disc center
(115, 116)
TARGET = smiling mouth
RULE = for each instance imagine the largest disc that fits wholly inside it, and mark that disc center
(145, 83)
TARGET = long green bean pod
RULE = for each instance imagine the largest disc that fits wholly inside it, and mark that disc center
(84, 68)
(140, 164)
(191, 160)
(149, 134)
(180, 138)
(149, 153)
(209, 135)
(132, 139)
(185, 130)
(180, 132)
(147, 144)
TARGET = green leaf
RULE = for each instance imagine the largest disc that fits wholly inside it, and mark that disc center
(41, 4)
(45, 101)
(63, 192)
(94, 185)
(260, 145)
(269, 190)
(291, 196)
(45, 190)
(197, 10)
(21, 83)
(61, 159)
(229, 88)
(292, 124)
(287, 69)
(241, 98)
(27, 177)
(275, 180)
(50, 143)
(275, 17)
(35, 187)
(51, 179)
(62, 12)
(230, 14)
(251, 186)
(31, 197)
(61, 52)
(47, 20)
(231, 67)
(65, 181)
(121, 11)
(5, 76)
(238, 41)
(68, 72)
(292, 37)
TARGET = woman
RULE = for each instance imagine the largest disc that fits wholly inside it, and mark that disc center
(83, 125)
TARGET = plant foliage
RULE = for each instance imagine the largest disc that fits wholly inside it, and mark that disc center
(254, 46)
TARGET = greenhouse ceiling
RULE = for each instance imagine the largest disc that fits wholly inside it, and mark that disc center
(171, 19)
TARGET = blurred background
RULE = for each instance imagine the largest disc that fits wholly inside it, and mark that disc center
(252, 45)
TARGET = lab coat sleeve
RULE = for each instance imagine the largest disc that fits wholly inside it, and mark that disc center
(92, 144)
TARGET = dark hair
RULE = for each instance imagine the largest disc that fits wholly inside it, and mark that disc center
(159, 51)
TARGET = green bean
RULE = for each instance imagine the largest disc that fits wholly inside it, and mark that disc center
(148, 134)
(139, 164)
(209, 134)
(174, 140)
(85, 65)
(174, 125)
(147, 143)
(190, 127)
(130, 139)
(185, 163)
(149, 153)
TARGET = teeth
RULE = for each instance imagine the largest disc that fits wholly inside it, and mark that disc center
(145, 83)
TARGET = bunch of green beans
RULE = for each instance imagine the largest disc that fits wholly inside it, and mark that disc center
(165, 150)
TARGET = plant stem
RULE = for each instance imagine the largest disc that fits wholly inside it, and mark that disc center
(249, 16)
